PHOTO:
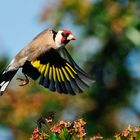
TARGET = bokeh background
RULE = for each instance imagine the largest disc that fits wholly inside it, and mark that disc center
(107, 47)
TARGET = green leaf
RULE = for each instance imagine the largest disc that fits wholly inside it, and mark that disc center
(53, 136)
(64, 134)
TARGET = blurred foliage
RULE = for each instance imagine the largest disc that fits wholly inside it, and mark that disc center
(116, 26)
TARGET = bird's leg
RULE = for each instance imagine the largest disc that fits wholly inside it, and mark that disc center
(25, 81)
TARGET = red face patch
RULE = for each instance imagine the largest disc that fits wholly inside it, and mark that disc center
(67, 31)
(62, 40)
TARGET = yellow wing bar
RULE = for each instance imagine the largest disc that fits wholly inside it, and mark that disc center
(59, 73)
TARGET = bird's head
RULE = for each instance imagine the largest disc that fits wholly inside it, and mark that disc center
(62, 37)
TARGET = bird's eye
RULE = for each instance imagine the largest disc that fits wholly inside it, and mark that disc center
(64, 35)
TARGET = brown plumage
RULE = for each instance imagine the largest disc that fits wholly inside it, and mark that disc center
(40, 44)
(46, 58)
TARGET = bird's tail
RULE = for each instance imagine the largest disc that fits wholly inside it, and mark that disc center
(5, 78)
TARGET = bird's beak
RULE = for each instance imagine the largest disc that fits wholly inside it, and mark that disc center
(71, 37)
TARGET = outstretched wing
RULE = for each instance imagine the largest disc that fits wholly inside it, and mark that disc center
(56, 73)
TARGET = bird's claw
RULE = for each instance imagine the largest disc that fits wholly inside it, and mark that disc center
(25, 81)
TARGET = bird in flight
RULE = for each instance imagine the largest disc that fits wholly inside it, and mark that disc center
(47, 59)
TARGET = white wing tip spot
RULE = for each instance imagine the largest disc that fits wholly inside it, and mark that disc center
(3, 87)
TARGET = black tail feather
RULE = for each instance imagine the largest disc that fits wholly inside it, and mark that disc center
(5, 78)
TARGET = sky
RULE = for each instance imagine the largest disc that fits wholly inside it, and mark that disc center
(19, 24)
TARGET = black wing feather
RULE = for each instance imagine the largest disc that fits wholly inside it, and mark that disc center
(63, 51)
(30, 71)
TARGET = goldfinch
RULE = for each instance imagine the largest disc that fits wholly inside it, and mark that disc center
(47, 59)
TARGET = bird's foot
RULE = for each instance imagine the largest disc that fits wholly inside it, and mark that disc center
(25, 81)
